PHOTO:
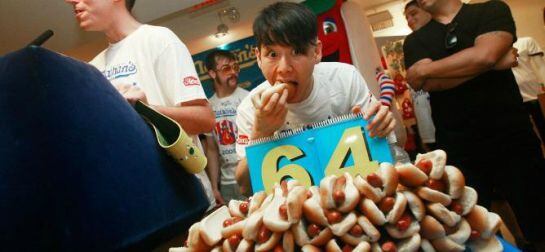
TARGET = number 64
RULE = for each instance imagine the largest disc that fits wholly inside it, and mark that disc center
(352, 141)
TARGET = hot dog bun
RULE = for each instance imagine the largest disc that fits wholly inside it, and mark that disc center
(462, 233)
(326, 191)
(389, 177)
(370, 209)
(478, 219)
(399, 207)
(312, 208)
(410, 244)
(288, 243)
(235, 228)
(332, 246)
(468, 200)
(410, 176)
(255, 201)
(426, 246)
(438, 159)
(443, 214)
(296, 198)
(394, 232)
(446, 244)
(432, 195)
(370, 233)
(234, 208)
(417, 207)
(373, 193)
(348, 221)
(212, 225)
(251, 228)
(272, 218)
(194, 240)
(310, 248)
(431, 229)
(302, 238)
(455, 180)
(270, 243)
(352, 195)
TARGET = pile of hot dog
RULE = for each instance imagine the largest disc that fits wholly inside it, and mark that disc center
(411, 207)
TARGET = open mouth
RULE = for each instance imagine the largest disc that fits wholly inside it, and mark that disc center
(287, 82)
(78, 12)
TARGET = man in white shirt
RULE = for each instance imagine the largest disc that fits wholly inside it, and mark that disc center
(148, 63)
(289, 54)
(530, 76)
(223, 69)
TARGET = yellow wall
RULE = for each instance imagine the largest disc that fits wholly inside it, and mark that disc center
(528, 15)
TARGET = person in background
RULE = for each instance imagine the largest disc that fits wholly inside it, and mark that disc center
(223, 69)
(150, 64)
(462, 57)
(288, 53)
(530, 76)
(416, 18)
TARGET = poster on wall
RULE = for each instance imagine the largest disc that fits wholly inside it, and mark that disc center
(393, 55)
(250, 75)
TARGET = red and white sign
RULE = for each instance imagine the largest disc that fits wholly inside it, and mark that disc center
(191, 81)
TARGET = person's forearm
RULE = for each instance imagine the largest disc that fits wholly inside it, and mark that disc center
(193, 119)
(488, 50)
(243, 177)
(431, 85)
(212, 167)
(466, 63)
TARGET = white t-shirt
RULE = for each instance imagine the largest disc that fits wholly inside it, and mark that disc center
(154, 59)
(337, 88)
(530, 72)
(225, 132)
(422, 111)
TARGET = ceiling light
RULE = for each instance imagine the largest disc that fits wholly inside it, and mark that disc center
(230, 14)
(222, 31)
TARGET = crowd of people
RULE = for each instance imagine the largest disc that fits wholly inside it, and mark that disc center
(458, 58)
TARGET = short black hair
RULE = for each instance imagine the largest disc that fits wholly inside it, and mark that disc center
(287, 24)
(411, 3)
(213, 56)
(129, 4)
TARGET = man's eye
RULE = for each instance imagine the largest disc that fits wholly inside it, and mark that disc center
(271, 54)
(298, 52)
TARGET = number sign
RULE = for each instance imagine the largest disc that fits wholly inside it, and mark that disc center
(335, 146)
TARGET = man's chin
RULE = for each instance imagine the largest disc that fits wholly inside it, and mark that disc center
(87, 27)
(233, 84)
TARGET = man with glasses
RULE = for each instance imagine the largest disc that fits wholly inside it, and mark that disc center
(462, 58)
(223, 69)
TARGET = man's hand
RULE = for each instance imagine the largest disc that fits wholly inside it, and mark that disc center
(382, 124)
(508, 61)
(218, 197)
(270, 111)
(131, 93)
(415, 74)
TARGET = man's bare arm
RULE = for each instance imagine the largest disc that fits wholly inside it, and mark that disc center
(431, 85)
(489, 48)
(213, 167)
(242, 175)
(195, 116)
